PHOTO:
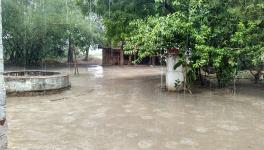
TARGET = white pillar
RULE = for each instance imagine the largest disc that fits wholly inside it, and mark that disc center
(173, 75)
(3, 124)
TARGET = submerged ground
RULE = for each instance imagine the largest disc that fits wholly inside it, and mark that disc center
(116, 108)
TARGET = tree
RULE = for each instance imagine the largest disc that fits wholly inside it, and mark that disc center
(35, 30)
(214, 44)
(160, 33)
(249, 37)
(82, 30)
(209, 28)
(117, 14)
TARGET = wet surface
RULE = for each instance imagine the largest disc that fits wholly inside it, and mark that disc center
(116, 108)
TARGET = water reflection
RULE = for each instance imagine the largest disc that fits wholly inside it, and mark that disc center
(96, 71)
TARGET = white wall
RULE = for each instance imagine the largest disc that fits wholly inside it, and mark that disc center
(173, 75)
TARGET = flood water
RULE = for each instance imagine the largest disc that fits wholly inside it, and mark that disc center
(123, 108)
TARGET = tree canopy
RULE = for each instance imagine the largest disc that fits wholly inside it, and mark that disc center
(34, 30)
(225, 35)
(220, 33)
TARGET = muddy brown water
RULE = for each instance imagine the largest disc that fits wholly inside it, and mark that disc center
(123, 108)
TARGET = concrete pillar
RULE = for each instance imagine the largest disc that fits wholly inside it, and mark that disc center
(174, 75)
(3, 124)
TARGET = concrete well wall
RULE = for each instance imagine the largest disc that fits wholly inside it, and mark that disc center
(20, 84)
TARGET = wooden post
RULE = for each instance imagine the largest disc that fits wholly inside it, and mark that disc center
(86, 54)
(122, 54)
(112, 56)
(3, 124)
(130, 60)
(76, 69)
(70, 55)
(153, 60)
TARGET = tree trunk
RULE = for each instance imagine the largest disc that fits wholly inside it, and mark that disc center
(76, 70)
(135, 57)
(70, 54)
(130, 60)
(122, 54)
(201, 76)
(153, 59)
(257, 77)
(3, 124)
(86, 54)
(150, 61)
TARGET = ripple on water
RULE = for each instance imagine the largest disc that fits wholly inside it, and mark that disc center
(181, 123)
(154, 130)
(142, 108)
(99, 104)
(102, 109)
(128, 110)
(165, 114)
(88, 124)
(187, 141)
(146, 117)
(145, 144)
(201, 129)
(68, 119)
(229, 127)
(261, 104)
(97, 115)
(127, 106)
(171, 145)
(261, 127)
(132, 135)
(194, 112)
(120, 115)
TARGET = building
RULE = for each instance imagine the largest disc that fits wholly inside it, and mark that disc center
(113, 56)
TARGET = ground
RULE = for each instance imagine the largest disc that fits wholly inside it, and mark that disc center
(123, 108)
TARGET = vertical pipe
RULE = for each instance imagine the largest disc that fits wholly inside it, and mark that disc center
(3, 124)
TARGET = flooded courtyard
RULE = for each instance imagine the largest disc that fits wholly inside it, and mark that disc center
(123, 108)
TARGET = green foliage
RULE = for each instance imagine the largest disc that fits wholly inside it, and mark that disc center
(35, 30)
(118, 14)
(177, 83)
(248, 38)
(158, 33)
(220, 33)
(225, 35)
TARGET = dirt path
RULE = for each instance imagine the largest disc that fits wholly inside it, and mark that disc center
(123, 109)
